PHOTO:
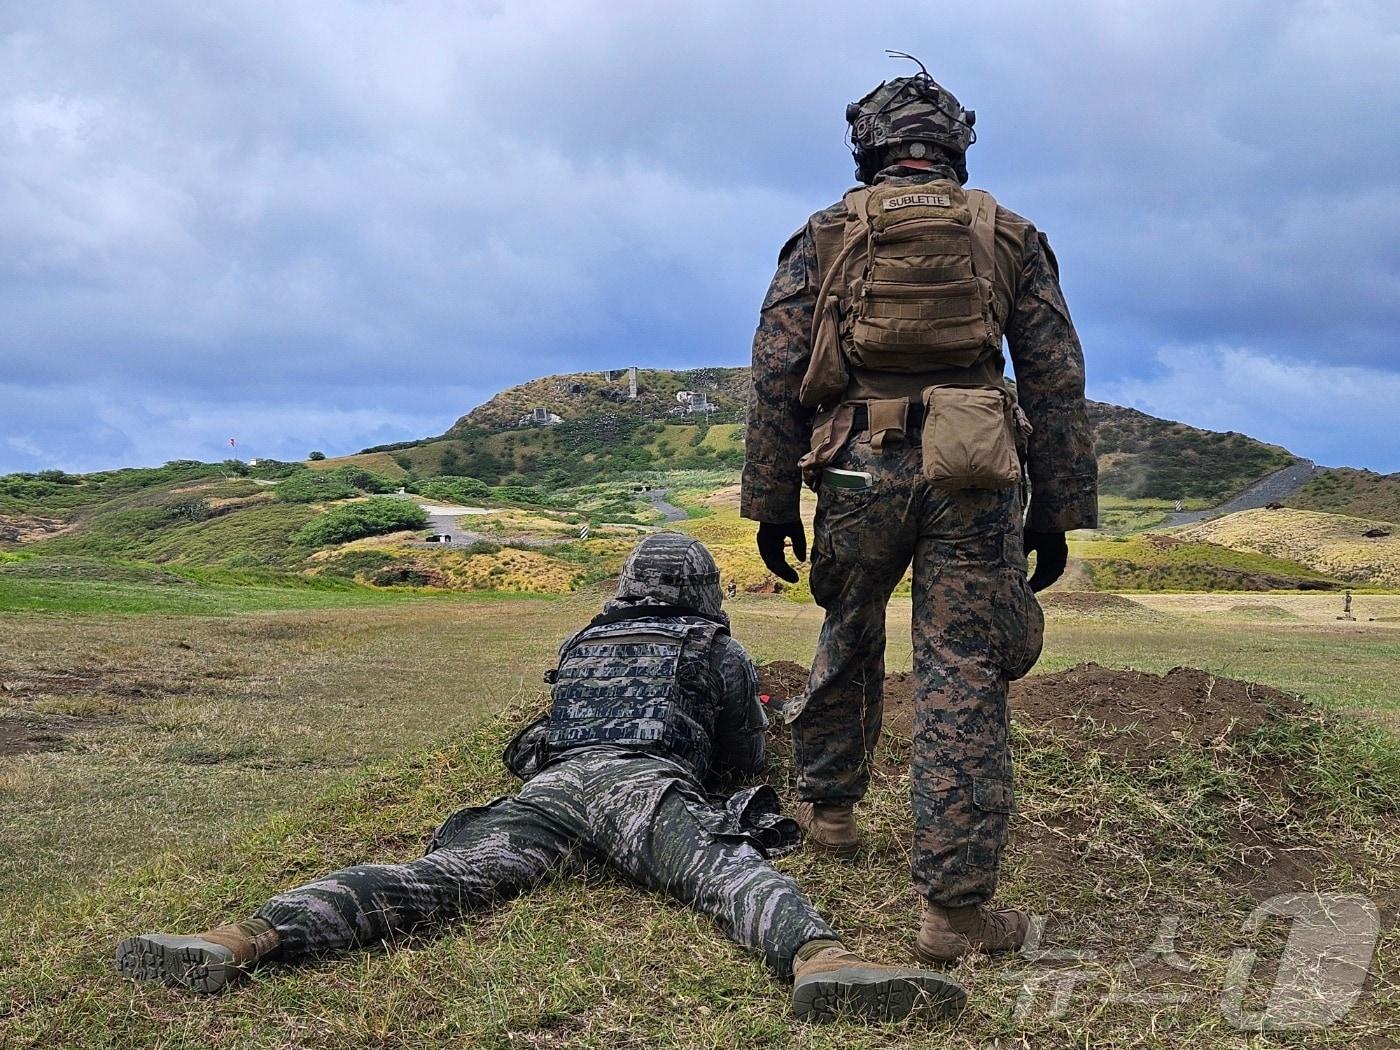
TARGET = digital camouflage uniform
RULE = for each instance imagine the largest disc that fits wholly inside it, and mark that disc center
(615, 773)
(976, 624)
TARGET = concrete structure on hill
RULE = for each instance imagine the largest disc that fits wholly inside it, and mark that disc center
(691, 402)
(611, 375)
(539, 416)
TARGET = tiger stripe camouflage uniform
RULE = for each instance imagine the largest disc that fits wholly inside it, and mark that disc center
(616, 773)
(976, 625)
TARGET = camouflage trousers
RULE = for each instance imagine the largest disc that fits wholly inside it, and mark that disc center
(976, 626)
(642, 815)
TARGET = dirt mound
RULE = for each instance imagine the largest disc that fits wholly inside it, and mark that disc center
(1089, 707)
(1133, 712)
(1090, 601)
(1260, 611)
(1134, 721)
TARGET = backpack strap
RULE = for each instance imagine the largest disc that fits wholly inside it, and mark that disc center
(826, 376)
(984, 233)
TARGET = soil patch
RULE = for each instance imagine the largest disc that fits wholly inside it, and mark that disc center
(20, 529)
(20, 735)
(1130, 714)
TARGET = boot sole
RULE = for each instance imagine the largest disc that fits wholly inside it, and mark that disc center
(177, 962)
(876, 995)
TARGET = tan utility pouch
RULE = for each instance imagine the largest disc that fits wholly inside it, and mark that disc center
(968, 441)
(827, 376)
(829, 436)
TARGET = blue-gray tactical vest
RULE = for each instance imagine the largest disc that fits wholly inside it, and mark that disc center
(646, 681)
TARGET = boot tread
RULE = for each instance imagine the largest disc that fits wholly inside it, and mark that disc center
(877, 993)
(177, 962)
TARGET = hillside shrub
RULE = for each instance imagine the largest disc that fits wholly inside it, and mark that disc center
(527, 494)
(353, 521)
(274, 469)
(188, 510)
(362, 479)
(454, 490)
(323, 486)
(316, 457)
(311, 486)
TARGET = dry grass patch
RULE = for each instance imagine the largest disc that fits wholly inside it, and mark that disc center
(1328, 543)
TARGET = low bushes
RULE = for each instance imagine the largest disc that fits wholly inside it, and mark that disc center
(324, 486)
(372, 517)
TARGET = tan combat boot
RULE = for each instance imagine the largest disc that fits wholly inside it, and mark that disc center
(830, 826)
(206, 962)
(950, 933)
(830, 981)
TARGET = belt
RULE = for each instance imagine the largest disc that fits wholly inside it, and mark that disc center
(913, 416)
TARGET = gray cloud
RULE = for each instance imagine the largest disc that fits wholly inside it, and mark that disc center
(304, 219)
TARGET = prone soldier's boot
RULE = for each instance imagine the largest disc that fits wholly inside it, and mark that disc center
(950, 933)
(830, 981)
(206, 962)
(830, 826)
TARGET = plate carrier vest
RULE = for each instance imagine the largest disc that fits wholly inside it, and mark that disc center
(646, 682)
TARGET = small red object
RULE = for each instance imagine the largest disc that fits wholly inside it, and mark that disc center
(765, 698)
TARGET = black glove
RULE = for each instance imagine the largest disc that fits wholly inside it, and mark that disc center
(1051, 553)
(771, 538)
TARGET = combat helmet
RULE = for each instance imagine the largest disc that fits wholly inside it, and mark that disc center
(903, 118)
(668, 568)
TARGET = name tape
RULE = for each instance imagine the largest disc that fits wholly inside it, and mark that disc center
(919, 200)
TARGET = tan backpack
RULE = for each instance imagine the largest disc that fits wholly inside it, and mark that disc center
(910, 287)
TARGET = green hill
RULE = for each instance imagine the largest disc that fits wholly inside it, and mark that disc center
(565, 429)
(543, 458)
(1355, 493)
(1143, 457)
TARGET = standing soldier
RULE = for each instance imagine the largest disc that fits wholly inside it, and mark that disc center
(653, 702)
(878, 379)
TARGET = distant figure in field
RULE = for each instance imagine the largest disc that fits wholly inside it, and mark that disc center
(651, 702)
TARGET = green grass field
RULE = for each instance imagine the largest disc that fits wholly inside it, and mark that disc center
(204, 762)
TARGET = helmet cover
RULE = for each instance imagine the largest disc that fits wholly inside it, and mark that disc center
(669, 568)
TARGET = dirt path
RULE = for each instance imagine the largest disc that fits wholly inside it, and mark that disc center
(657, 498)
(1275, 488)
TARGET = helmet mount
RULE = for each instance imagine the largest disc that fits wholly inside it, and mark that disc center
(906, 116)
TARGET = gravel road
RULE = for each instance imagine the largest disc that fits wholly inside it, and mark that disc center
(1275, 488)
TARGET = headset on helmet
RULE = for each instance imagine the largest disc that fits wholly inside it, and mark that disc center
(903, 118)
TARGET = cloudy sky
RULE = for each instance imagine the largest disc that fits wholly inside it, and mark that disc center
(317, 224)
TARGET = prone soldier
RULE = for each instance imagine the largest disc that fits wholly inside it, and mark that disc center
(878, 378)
(651, 703)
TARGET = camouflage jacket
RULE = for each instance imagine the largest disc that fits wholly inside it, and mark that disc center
(1045, 352)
